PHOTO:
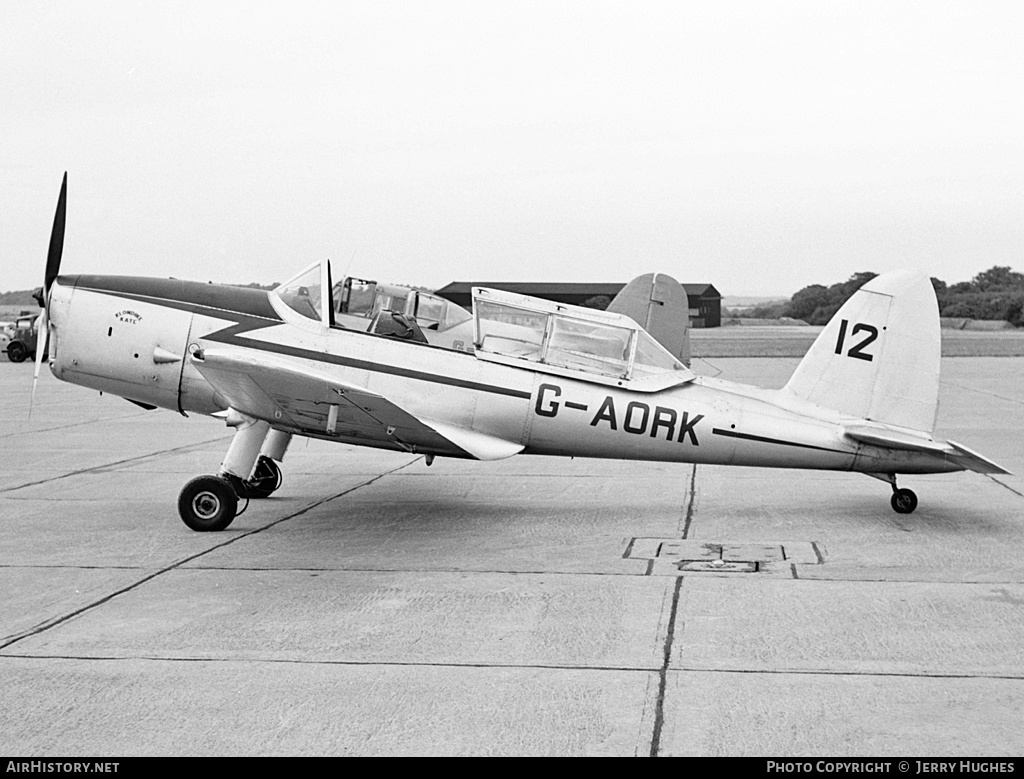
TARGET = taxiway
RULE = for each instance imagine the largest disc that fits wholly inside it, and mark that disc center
(375, 606)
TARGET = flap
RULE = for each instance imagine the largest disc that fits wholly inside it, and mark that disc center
(480, 445)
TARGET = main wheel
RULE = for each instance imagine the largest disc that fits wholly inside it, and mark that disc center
(16, 351)
(207, 503)
(265, 480)
(903, 501)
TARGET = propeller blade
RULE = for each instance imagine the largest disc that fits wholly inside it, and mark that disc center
(53, 257)
(56, 238)
(42, 334)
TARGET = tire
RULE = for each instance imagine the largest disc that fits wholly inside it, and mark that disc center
(16, 351)
(207, 503)
(903, 501)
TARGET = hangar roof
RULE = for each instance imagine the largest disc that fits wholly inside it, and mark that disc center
(543, 289)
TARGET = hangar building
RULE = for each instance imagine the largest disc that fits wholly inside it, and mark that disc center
(705, 301)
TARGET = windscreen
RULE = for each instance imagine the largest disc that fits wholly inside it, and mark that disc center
(302, 293)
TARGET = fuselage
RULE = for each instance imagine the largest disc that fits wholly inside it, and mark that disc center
(135, 337)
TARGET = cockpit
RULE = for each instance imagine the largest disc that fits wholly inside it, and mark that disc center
(364, 298)
(361, 304)
(504, 327)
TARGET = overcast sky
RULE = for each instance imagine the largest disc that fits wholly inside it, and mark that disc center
(759, 146)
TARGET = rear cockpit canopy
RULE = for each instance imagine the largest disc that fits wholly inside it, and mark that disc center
(566, 340)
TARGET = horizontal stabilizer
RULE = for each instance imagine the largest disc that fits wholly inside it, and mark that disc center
(891, 438)
(894, 439)
(973, 461)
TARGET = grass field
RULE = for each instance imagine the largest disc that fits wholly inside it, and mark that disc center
(9, 313)
(784, 341)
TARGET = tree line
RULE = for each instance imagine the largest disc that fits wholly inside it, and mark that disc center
(997, 293)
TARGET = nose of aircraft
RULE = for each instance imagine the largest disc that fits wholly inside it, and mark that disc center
(56, 312)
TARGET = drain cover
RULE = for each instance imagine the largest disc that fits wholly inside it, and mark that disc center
(673, 556)
(717, 566)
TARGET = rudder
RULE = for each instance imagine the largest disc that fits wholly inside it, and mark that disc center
(659, 304)
(878, 357)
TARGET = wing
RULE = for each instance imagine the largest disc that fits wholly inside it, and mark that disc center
(303, 400)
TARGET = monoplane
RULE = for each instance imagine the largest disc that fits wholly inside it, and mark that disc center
(539, 378)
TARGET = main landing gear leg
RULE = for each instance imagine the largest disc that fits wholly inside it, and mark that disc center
(209, 503)
(266, 476)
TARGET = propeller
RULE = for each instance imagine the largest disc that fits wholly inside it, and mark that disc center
(53, 258)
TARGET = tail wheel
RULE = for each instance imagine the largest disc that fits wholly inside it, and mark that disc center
(903, 501)
(208, 503)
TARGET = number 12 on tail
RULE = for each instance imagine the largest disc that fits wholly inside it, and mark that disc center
(857, 350)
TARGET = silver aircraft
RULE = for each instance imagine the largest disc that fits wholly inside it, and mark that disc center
(539, 378)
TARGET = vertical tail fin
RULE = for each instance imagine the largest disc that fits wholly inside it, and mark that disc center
(658, 303)
(878, 357)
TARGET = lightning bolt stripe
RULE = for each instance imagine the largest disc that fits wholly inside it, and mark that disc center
(232, 336)
(765, 440)
(250, 310)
